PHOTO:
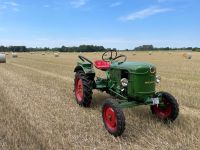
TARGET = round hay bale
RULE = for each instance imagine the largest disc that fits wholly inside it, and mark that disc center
(134, 53)
(43, 53)
(187, 55)
(14, 55)
(56, 54)
(150, 53)
(2, 58)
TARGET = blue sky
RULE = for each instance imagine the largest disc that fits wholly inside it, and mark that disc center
(112, 23)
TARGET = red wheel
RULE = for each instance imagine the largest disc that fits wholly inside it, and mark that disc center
(109, 115)
(163, 111)
(79, 90)
(83, 89)
(113, 117)
(168, 108)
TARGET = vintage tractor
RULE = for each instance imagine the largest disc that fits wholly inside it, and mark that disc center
(130, 83)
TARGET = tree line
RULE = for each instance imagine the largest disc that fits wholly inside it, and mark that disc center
(81, 48)
(89, 48)
(152, 48)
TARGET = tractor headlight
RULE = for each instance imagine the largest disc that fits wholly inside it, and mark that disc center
(124, 82)
(158, 79)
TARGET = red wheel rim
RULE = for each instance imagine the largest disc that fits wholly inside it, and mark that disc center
(79, 90)
(163, 111)
(110, 118)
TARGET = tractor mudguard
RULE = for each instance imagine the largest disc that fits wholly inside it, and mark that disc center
(87, 70)
(77, 68)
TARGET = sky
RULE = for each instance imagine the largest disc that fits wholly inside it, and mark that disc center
(122, 24)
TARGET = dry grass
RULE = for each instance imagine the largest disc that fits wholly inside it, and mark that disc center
(38, 110)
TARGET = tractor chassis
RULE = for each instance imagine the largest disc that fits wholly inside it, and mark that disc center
(124, 102)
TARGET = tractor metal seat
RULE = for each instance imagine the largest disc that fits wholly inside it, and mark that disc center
(102, 65)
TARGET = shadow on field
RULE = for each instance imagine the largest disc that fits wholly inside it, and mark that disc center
(98, 98)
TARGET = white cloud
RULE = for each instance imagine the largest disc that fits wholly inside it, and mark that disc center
(115, 4)
(11, 3)
(144, 13)
(78, 3)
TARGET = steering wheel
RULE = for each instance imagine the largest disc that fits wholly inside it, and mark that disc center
(111, 55)
(125, 58)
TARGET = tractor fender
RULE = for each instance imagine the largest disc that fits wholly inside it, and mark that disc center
(89, 72)
(78, 68)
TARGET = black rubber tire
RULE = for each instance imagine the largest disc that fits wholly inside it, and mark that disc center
(119, 116)
(87, 88)
(174, 104)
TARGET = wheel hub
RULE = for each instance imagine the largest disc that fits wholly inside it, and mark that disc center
(79, 90)
(110, 118)
(163, 111)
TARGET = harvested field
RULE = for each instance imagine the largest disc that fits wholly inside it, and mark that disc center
(38, 108)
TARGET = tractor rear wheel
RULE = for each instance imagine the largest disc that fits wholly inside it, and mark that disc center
(113, 117)
(168, 110)
(83, 89)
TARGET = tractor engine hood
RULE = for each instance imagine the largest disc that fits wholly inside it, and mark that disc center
(135, 67)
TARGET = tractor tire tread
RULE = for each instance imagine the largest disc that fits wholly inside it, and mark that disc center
(119, 114)
(87, 88)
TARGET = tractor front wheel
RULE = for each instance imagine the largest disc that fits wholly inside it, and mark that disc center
(168, 109)
(83, 89)
(113, 118)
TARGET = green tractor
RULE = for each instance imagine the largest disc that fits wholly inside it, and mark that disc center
(130, 83)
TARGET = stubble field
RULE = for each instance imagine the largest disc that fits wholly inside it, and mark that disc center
(38, 108)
